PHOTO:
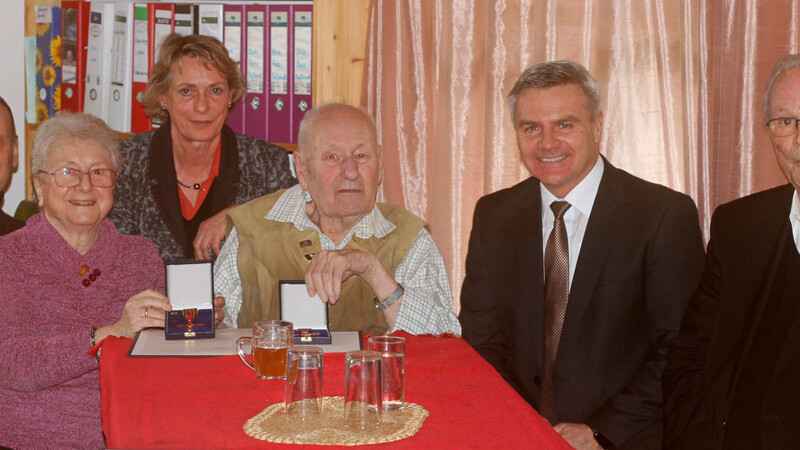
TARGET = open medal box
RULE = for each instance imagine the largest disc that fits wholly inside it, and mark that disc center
(190, 289)
(308, 314)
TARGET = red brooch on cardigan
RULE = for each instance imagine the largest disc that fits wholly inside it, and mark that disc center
(92, 276)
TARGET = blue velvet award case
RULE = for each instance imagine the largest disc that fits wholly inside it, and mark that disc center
(308, 314)
(190, 289)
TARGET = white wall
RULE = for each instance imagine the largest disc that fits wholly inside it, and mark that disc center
(12, 87)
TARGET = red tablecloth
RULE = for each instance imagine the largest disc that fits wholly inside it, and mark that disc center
(204, 402)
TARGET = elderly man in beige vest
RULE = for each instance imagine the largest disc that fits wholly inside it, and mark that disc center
(376, 265)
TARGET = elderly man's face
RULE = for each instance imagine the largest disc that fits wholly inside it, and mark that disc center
(785, 101)
(343, 170)
(558, 141)
(9, 151)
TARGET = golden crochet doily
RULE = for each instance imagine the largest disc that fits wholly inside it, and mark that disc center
(272, 425)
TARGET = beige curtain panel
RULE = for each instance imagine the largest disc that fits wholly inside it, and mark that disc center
(682, 95)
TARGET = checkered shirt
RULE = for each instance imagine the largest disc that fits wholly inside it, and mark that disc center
(426, 306)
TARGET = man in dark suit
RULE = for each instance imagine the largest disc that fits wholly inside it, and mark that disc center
(732, 376)
(9, 159)
(590, 362)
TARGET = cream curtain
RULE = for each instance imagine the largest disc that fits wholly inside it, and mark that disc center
(682, 81)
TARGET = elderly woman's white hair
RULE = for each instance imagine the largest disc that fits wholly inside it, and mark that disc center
(70, 127)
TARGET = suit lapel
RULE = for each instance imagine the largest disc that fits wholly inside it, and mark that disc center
(602, 231)
(789, 349)
(165, 186)
(742, 319)
(528, 254)
(753, 314)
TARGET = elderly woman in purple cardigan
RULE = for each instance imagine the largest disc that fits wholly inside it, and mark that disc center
(68, 280)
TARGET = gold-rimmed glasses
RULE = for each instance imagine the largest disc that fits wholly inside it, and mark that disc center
(70, 177)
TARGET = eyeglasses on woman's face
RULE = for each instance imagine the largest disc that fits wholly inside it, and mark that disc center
(70, 177)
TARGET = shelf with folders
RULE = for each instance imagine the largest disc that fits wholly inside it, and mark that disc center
(333, 63)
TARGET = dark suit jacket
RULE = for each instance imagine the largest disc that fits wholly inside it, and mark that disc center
(640, 260)
(748, 238)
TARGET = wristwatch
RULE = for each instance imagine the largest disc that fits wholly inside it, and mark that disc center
(603, 441)
(391, 299)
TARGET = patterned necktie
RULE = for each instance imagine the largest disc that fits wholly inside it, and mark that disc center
(556, 294)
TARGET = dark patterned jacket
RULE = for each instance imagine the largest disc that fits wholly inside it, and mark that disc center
(146, 199)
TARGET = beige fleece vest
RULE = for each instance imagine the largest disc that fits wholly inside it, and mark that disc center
(271, 251)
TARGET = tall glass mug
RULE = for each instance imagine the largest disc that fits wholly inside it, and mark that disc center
(393, 351)
(304, 383)
(267, 348)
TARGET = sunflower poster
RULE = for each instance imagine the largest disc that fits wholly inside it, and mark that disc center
(48, 62)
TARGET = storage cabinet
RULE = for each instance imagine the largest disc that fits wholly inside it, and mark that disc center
(339, 45)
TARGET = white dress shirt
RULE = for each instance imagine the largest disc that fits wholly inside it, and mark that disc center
(794, 218)
(581, 197)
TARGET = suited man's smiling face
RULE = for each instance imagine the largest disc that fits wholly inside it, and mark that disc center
(558, 141)
(785, 102)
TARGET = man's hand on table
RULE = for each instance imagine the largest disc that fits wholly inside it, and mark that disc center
(578, 435)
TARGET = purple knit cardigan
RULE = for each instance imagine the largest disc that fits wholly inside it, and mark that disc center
(49, 391)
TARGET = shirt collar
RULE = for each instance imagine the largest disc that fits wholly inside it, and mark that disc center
(582, 196)
(291, 208)
(794, 219)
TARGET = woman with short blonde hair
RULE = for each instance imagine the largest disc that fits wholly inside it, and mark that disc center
(183, 177)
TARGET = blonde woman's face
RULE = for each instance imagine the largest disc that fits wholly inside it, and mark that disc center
(197, 100)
